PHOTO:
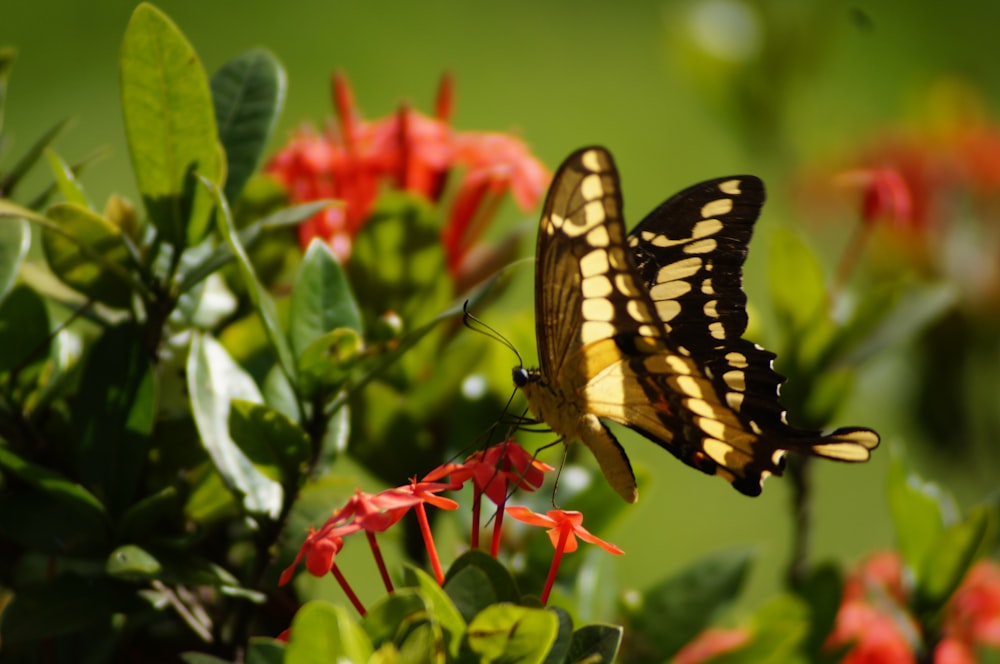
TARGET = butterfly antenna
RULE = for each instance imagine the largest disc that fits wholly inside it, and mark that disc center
(477, 325)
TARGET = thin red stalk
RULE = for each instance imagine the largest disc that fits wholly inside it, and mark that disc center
(497, 525)
(379, 561)
(477, 499)
(849, 259)
(348, 590)
(432, 554)
(554, 568)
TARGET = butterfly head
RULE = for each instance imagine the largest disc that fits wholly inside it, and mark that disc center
(524, 376)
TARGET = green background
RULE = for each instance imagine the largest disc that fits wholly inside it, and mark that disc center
(631, 76)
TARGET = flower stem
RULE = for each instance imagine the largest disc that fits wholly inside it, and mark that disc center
(348, 590)
(554, 568)
(379, 561)
(497, 525)
(477, 499)
(432, 555)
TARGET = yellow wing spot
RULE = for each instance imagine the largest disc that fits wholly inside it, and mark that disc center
(660, 240)
(617, 257)
(735, 401)
(591, 160)
(596, 286)
(633, 241)
(701, 407)
(717, 330)
(598, 237)
(737, 360)
(669, 290)
(707, 288)
(668, 309)
(736, 380)
(555, 221)
(755, 428)
(638, 310)
(708, 226)
(677, 364)
(598, 309)
(701, 246)
(626, 284)
(594, 213)
(731, 187)
(591, 187)
(711, 309)
(647, 344)
(681, 269)
(593, 330)
(688, 385)
(648, 331)
(595, 263)
(717, 207)
(717, 450)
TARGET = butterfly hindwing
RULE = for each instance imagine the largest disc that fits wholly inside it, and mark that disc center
(646, 330)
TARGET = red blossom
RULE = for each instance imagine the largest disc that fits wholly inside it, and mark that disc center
(562, 523)
(711, 643)
(319, 550)
(411, 152)
(873, 636)
(973, 613)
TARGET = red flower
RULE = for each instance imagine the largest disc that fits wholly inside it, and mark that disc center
(411, 152)
(319, 550)
(711, 643)
(564, 527)
(973, 613)
(873, 636)
(886, 197)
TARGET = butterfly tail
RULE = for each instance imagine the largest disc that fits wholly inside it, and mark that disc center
(848, 444)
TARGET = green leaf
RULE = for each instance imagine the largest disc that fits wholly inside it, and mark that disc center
(321, 299)
(688, 602)
(797, 284)
(822, 590)
(477, 580)
(10, 181)
(14, 242)
(322, 632)
(393, 617)
(66, 180)
(115, 415)
(276, 445)
(564, 637)
(88, 253)
(248, 93)
(201, 658)
(261, 299)
(949, 560)
(777, 632)
(442, 609)
(220, 256)
(919, 511)
(24, 329)
(214, 380)
(169, 124)
(325, 364)
(145, 515)
(141, 564)
(264, 650)
(48, 512)
(511, 633)
(595, 643)
(7, 57)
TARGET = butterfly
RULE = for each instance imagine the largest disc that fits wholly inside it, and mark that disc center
(646, 329)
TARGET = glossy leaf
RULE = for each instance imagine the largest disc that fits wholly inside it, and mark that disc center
(322, 632)
(115, 415)
(393, 617)
(595, 643)
(511, 633)
(822, 591)
(797, 283)
(146, 514)
(688, 601)
(66, 181)
(441, 607)
(262, 302)
(24, 329)
(949, 560)
(88, 253)
(275, 444)
(476, 580)
(263, 650)
(560, 648)
(15, 239)
(221, 255)
(248, 93)
(919, 512)
(325, 364)
(778, 630)
(169, 124)
(214, 380)
(321, 299)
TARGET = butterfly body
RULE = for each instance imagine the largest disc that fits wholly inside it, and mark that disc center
(645, 329)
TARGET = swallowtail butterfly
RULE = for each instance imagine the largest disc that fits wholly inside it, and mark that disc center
(646, 330)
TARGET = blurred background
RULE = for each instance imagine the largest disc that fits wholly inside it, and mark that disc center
(680, 91)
